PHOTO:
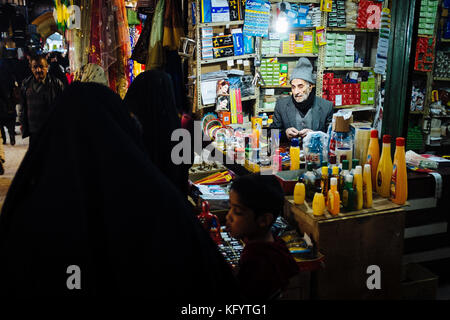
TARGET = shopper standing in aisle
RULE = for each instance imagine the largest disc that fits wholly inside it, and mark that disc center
(38, 93)
(151, 99)
(7, 101)
(303, 111)
(88, 198)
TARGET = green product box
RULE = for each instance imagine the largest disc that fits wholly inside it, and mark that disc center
(432, 9)
(364, 87)
(423, 13)
(331, 36)
(263, 69)
(275, 43)
(329, 64)
(329, 61)
(348, 64)
(340, 53)
(340, 63)
(422, 25)
(283, 67)
(430, 20)
(424, 3)
(431, 15)
(364, 98)
(371, 85)
(349, 59)
(265, 44)
(341, 37)
(430, 26)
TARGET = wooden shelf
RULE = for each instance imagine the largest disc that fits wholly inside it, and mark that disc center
(288, 55)
(245, 56)
(248, 98)
(218, 24)
(336, 29)
(357, 107)
(265, 110)
(445, 40)
(348, 68)
(417, 112)
(441, 79)
(275, 87)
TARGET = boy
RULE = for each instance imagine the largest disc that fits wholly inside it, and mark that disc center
(266, 264)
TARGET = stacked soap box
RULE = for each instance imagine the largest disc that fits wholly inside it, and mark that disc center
(427, 16)
(340, 93)
(207, 43)
(270, 47)
(340, 50)
(270, 71)
(304, 43)
(336, 18)
(424, 54)
(368, 90)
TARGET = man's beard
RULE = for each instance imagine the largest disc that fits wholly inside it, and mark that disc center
(301, 98)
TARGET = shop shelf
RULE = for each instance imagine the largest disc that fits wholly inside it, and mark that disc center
(275, 87)
(348, 69)
(417, 112)
(288, 55)
(357, 107)
(441, 79)
(245, 56)
(336, 29)
(445, 40)
(242, 99)
(223, 23)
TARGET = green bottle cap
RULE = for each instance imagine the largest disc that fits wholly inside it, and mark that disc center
(324, 164)
(355, 162)
(345, 165)
(309, 166)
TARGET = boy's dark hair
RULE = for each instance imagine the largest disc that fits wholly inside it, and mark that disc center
(38, 58)
(260, 193)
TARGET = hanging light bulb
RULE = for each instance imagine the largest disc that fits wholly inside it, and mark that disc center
(282, 23)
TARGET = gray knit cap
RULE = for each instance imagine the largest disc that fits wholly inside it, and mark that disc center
(303, 70)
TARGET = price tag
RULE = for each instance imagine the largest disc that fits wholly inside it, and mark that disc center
(339, 100)
(239, 61)
(270, 92)
(230, 63)
(246, 63)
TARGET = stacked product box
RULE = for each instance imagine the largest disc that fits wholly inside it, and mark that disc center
(424, 54)
(368, 91)
(207, 43)
(223, 46)
(366, 14)
(340, 93)
(270, 47)
(270, 71)
(339, 50)
(427, 16)
(337, 18)
(283, 74)
(308, 42)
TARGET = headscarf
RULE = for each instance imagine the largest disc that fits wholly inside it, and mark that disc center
(91, 72)
(87, 195)
(150, 97)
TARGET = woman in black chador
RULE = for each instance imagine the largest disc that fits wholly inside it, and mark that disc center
(87, 195)
(151, 99)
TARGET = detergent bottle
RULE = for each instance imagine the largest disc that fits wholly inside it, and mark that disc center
(310, 181)
(367, 186)
(373, 155)
(318, 204)
(384, 170)
(348, 194)
(342, 175)
(358, 187)
(399, 181)
(294, 152)
(299, 192)
(333, 199)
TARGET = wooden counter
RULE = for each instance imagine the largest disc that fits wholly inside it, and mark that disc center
(351, 242)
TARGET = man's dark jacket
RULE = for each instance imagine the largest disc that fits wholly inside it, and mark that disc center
(54, 87)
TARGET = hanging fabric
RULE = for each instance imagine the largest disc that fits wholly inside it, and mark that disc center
(155, 57)
(173, 27)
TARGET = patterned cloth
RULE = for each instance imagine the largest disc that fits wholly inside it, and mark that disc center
(91, 73)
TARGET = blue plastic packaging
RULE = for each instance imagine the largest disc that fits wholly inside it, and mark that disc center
(238, 43)
(206, 11)
(249, 44)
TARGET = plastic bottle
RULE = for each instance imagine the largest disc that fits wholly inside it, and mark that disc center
(332, 164)
(367, 186)
(342, 175)
(342, 158)
(348, 194)
(335, 173)
(399, 180)
(358, 187)
(355, 162)
(384, 170)
(318, 204)
(373, 155)
(294, 152)
(299, 192)
(309, 179)
(324, 181)
(333, 199)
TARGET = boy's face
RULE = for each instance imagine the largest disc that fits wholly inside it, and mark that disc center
(241, 222)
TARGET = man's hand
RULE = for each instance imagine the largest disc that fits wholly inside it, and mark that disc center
(304, 132)
(292, 133)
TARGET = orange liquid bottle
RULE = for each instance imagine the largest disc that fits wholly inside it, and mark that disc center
(399, 180)
(373, 155)
(384, 170)
(333, 199)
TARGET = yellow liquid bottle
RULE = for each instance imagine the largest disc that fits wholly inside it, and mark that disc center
(294, 152)
(324, 181)
(299, 192)
(367, 186)
(358, 187)
(333, 199)
(399, 180)
(373, 155)
(318, 204)
(384, 170)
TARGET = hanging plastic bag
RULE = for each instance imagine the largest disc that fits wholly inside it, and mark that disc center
(315, 147)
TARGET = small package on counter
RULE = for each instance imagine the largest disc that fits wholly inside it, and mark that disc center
(315, 147)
